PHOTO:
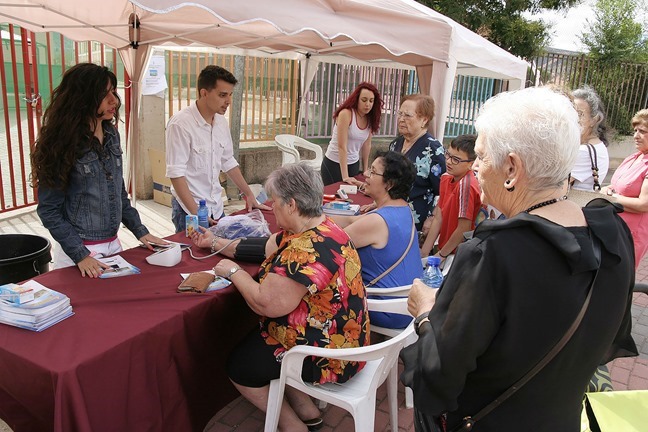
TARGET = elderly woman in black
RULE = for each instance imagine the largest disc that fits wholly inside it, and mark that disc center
(518, 285)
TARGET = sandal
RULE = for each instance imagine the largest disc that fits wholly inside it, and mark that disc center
(314, 424)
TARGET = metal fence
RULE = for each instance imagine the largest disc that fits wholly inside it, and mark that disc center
(31, 65)
(270, 91)
(333, 83)
(623, 87)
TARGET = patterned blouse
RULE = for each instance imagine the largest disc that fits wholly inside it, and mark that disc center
(333, 313)
(427, 155)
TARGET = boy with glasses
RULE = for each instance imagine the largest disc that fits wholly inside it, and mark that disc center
(459, 199)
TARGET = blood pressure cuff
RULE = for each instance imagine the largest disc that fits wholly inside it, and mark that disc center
(251, 249)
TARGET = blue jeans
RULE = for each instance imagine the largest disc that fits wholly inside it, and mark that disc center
(178, 216)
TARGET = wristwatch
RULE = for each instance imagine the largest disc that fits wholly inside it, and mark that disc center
(420, 320)
(232, 271)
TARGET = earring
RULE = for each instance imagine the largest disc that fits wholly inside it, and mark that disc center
(508, 187)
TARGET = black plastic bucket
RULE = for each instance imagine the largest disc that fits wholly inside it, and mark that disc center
(23, 256)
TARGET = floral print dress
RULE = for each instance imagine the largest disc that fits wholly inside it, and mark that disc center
(333, 313)
(427, 155)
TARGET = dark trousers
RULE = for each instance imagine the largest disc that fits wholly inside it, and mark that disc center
(331, 171)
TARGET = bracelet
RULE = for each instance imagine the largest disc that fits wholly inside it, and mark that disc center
(420, 320)
(442, 256)
(213, 245)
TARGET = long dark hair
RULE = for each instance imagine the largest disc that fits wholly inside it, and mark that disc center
(352, 103)
(69, 123)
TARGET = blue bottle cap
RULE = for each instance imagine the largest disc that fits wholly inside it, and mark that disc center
(434, 260)
(202, 202)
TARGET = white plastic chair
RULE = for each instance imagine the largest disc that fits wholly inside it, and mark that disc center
(358, 395)
(290, 154)
(395, 305)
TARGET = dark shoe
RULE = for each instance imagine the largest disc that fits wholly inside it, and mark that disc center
(314, 424)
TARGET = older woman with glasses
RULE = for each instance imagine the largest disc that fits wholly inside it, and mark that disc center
(309, 292)
(593, 160)
(426, 153)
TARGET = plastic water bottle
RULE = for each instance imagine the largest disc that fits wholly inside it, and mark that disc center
(203, 214)
(432, 275)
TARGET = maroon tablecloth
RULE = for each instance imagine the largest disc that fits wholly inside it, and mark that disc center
(136, 356)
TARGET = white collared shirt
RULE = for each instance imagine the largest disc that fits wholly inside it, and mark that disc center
(199, 151)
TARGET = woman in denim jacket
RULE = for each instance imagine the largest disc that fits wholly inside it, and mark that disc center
(77, 167)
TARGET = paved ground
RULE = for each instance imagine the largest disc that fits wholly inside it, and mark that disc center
(241, 416)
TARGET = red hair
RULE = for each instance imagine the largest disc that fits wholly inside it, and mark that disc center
(352, 103)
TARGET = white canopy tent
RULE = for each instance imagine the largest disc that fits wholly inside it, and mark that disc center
(378, 32)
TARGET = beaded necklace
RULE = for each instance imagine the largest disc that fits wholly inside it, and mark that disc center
(544, 204)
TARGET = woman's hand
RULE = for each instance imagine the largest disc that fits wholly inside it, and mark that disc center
(223, 267)
(421, 298)
(202, 238)
(368, 207)
(91, 267)
(352, 181)
(426, 225)
(150, 238)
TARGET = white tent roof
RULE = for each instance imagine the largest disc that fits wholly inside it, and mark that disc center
(396, 30)
(400, 32)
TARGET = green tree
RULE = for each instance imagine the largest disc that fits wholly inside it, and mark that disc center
(614, 35)
(502, 22)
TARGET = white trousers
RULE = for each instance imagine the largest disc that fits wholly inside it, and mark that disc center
(96, 251)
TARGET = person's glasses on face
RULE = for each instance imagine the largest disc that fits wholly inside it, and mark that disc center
(370, 172)
(406, 116)
(454, 160)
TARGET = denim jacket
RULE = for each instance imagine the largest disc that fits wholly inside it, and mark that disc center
(94, 203)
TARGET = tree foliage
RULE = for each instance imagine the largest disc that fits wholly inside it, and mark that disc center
(502, 22)
(614, 35)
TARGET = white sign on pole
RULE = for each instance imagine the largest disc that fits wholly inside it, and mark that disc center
(155, 79)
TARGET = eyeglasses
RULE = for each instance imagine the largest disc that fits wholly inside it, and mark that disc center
(454, 160)
(405, 115)
(370, 172)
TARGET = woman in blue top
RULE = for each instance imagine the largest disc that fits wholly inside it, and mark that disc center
(77, 168)
(384, 235)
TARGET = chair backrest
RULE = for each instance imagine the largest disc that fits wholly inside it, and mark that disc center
(397, 304)
(399, 291)
(386, 353)
(290, 154)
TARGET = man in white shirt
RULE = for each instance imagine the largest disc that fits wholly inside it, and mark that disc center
(199, 146)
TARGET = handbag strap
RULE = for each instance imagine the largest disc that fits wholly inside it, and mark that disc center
(470, 420)
(409, 246)
(594, 162)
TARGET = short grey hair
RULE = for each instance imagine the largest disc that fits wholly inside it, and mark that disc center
(597, 110)
(301, 183)
(538, 124)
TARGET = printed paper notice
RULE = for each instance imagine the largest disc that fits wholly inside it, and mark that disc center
(154, 81)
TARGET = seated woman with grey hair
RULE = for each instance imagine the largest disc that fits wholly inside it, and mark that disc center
(518, 285)
(310, 292)
(593, 161)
